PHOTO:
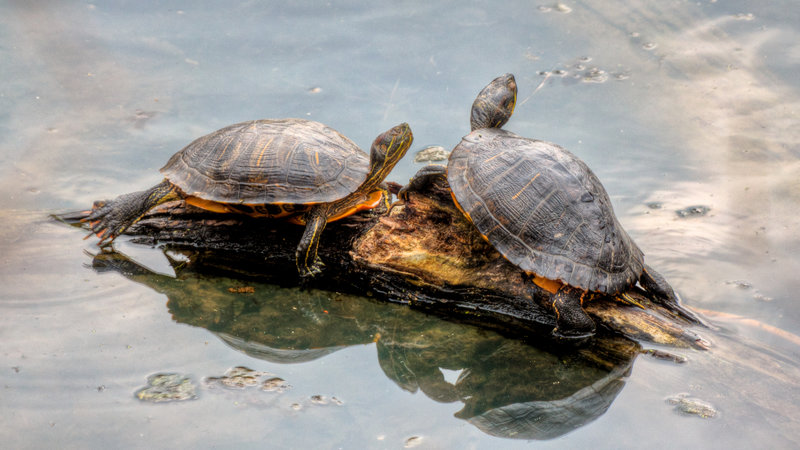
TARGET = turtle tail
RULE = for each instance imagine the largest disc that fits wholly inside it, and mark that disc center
(110, 219)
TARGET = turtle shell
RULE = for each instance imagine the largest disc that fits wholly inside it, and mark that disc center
(292, 161)
(543, 209)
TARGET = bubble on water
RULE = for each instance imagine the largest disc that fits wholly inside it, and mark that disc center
(746, 285)
(761, 297)
(692, 406)
(167, 387)
(413, 441)
(558, 7)
(621, 76)
(739, 283)
(562, 8)
(595, 75)
(236, 378)
(275, 384)
(693, 211)
(649, 46)
(319, 399)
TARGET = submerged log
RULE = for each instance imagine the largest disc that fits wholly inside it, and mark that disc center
(422, 252)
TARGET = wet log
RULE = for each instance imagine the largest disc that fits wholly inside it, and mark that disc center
(422, 252)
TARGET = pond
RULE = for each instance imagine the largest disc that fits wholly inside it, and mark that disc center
(687, 111)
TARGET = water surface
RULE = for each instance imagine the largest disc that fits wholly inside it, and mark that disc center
(673, 104)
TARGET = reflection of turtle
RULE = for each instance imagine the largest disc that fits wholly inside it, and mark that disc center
(506, 386)
(544, 210)
(292, 168)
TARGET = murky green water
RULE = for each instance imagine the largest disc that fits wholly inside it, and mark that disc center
(673, 104)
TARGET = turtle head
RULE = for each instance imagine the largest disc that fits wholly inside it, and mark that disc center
(495, 103)
(387, 150)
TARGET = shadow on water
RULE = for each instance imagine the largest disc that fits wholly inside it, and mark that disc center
(508, 388)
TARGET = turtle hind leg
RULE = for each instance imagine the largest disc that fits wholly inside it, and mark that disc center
(654, 283)
(572, 322)
(308, 263)
(662, 293)
(110, 219)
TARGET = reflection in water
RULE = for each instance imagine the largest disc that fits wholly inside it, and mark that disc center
(507, 387)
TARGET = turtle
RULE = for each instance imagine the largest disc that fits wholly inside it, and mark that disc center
(544, 210)
(295, 169)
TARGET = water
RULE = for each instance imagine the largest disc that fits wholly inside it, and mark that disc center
(673, 104)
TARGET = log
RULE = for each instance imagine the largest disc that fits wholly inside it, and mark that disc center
(423, 253)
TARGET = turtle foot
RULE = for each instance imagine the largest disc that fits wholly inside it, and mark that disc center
(572, 322)
(107, 221)
(311, 271)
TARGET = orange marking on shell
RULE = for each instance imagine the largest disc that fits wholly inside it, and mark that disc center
(261, 153)
(455, 201)
(551, 286)
(514, 197)
(493, 157)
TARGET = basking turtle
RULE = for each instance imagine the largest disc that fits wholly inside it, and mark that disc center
(297, 169)
(544, 210)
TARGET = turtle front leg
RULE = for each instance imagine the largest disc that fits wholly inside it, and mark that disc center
(110, 219)
(572, 322)
(308, 263)
(423, 179)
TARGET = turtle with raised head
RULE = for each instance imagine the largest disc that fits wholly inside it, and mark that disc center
(295, 169)
(544, 210)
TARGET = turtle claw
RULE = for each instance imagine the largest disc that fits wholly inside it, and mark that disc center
(311, 271)
(106, 222)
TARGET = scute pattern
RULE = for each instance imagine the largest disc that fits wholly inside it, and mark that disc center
(269, 161)
(543, 209)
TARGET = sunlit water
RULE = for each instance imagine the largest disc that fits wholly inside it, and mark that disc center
(673, 104)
